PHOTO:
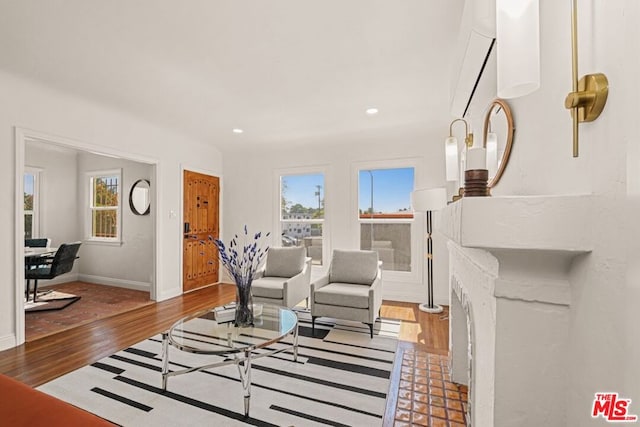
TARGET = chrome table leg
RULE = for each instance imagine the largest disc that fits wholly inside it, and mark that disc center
(295, 343)
(165, 359)
(244, 368)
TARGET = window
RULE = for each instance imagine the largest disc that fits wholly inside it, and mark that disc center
(31, 198)
(302, 213)
(385, 215)
(104, 205)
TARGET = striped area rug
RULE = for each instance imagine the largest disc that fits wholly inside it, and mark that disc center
(341, 378)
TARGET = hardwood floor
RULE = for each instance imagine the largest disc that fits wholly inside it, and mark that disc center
(45, 359)
(429, 332)
(42, 360)
(96, 302)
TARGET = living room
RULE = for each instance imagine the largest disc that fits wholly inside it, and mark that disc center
(166, 85)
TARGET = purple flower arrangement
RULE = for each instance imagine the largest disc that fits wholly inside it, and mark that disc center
(242, 263)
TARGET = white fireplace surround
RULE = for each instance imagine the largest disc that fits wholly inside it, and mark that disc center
(509, 265)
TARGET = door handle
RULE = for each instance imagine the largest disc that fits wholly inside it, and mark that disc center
(186, 227)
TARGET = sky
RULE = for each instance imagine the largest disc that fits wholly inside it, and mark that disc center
(28, 183)
(391, 189)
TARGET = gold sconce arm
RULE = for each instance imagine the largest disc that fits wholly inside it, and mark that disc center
(468, 137)
(589, 95)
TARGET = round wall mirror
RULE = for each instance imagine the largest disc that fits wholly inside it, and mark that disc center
(139, 200)
(498, 139)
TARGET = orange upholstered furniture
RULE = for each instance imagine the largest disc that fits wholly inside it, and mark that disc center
(21, 405)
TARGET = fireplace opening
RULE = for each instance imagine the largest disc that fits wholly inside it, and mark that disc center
(461, 343)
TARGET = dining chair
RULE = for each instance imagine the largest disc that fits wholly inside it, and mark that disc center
(62, 262)
(40, 242)
(35, 261)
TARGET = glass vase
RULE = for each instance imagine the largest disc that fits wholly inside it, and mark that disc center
(244, 305)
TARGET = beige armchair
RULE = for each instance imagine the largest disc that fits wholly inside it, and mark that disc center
(352, 290)
(285, 278)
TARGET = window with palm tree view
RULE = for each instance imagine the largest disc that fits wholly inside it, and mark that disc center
(302, 213)
(385, 215)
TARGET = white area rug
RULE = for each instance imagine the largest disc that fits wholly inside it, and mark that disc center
(340, 380)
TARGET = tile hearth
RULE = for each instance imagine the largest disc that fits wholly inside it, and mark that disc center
(426, 395)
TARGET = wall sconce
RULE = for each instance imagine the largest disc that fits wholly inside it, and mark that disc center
(454, 167)
(518, 36)
(589, 94)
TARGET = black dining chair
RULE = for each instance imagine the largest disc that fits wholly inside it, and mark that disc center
(42, 242)
(62, 262)
(35, 261)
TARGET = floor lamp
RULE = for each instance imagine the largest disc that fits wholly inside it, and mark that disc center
(429, 200)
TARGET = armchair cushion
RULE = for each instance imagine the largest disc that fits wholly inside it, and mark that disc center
(284, 262)
(269, 287)
(356, 267)
(343, 294)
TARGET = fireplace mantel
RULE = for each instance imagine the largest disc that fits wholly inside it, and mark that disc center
(510, 260)
(540, 223)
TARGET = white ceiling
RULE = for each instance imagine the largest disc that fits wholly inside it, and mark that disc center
(282, 70)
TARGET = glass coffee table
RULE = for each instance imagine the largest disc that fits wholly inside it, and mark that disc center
(200, 333)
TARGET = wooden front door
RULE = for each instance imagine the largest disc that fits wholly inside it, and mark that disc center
(201, 208)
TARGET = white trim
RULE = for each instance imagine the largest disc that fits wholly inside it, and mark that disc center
(120, 283)
(21, 135)
(63, 278)
(326, 224)
(19, 286)
(402, 278)
(8, 341)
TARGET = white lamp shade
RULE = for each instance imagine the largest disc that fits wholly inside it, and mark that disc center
(451, 158)
(463, 164)
(492, 154)
(429, 199)
(518, 36)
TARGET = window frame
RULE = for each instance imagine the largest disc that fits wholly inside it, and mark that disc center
(35, 212)
(89, 238)
(414, 276)
(279, 221)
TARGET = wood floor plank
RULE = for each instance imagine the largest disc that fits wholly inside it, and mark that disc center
(45, 359)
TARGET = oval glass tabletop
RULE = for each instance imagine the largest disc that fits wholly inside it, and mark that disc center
(202, 333)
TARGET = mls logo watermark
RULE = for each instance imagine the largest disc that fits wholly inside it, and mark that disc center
(612, 408)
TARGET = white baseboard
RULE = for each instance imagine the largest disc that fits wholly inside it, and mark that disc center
(408, 292)
(7, 341)
(64, 278)
(121, 283)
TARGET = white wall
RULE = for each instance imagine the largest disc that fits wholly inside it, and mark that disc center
(603, 313)
(58, 182)
(130, 264)
(33, 106)
(251, 195)
(632, 225)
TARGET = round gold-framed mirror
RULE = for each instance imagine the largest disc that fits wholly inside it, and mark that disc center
(498, 138)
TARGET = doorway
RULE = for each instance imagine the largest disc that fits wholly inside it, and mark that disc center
(65, 168)
(201, 194)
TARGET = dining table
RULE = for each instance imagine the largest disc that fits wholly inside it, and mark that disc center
(36, 252)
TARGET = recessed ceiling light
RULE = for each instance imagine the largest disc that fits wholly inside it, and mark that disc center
(372, 111)
(237, 130)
